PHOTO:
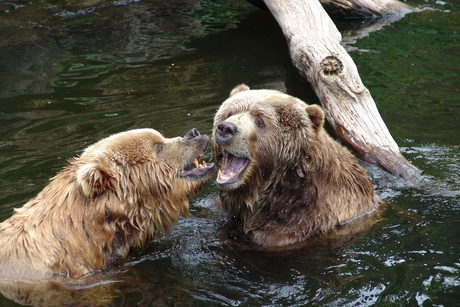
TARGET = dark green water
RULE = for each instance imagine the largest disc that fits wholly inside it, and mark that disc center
(72, 72)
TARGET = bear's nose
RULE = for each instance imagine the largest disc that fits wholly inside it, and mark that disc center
(192, 133)
(225, 131)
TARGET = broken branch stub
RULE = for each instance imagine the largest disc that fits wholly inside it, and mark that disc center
(315, 49)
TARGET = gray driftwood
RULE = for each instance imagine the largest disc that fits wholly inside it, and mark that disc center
(316, 51)
(364, 8)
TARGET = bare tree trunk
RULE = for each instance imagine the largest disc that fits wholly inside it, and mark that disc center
(315, 49)
(364, 8)
(356, 8)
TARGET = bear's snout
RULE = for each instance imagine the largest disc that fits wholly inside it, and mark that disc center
(225, 132)
(194, 136)
(192, 133)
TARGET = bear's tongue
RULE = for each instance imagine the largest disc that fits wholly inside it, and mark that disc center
(232, 168)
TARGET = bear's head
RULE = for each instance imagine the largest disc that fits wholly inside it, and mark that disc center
(282, 177)
(256, 131)
(143, 167)
(143, 159)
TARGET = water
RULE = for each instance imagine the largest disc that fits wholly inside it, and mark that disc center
(74, 72)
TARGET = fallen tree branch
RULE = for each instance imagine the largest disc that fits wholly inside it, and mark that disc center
(364, 8)
(316, 51)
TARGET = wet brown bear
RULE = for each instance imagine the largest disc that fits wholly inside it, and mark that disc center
(119, 194)
(281, 176)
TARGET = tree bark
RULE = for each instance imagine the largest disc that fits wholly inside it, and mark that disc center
(356, 8)
(316, 51)
(364, 8)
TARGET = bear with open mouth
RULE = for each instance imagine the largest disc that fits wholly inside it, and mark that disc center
(119, 194)
(282, 177)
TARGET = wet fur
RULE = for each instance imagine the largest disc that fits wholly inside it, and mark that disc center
(300, 182)
(118, 195)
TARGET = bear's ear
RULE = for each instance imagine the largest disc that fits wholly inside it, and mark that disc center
(239, 88)
(316, 115)
(93, 180)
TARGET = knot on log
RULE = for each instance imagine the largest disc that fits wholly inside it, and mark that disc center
(331, 65)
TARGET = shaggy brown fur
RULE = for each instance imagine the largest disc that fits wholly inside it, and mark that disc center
(119, 194)
(282, 177)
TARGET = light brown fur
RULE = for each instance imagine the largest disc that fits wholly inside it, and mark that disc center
(299, 181)
(119, 194)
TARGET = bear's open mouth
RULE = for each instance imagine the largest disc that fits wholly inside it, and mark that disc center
(197, 169)
(232, 168)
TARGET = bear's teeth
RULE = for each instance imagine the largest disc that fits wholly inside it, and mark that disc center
(220, 174)
(197, 163)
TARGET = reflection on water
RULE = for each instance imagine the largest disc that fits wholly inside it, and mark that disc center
(74, 72)
(439, 160)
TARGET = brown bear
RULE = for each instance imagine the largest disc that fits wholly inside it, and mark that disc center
(119, 194)
(282, 177)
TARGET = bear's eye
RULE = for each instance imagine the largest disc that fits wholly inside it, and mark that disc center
(260, 122)
(229, 114)
(159, 148)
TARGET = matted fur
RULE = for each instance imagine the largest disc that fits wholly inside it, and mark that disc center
(299, 181)
(119, 194)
